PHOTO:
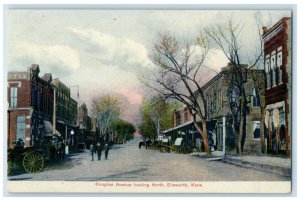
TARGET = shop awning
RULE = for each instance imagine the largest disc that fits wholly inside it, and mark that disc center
(177, 127)
(49, 128)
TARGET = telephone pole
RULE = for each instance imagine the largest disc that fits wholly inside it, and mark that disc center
(54, 111)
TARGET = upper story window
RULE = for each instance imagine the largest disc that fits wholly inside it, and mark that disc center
(186, 118)
(177, 116)
(268, 70)
(279, 64)
(13, 97)
(273, 69)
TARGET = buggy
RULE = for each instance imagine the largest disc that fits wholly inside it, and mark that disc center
(33, 158)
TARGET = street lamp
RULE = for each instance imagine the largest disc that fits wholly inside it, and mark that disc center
(72, 134)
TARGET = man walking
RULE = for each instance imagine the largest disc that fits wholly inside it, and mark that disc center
(106, 147)
(92, 151)
(99, 150)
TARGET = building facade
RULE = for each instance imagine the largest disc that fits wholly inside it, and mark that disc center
(30, 107)
(86, 125)
(278, 67)
(219, 118)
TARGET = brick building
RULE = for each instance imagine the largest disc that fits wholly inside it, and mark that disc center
(30, 107)
(87, 126)
(219, 116)
(30, 99)
(219, 120)
(66, 113)
(278, 67)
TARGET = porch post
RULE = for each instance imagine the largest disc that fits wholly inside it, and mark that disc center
(224, 133)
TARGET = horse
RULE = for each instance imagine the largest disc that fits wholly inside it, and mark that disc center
(146, 144)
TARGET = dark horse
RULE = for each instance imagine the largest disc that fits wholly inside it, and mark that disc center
(146, 144)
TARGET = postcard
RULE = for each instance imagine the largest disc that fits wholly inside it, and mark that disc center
(148, 101)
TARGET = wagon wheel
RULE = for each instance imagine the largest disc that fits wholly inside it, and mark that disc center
(33, 162)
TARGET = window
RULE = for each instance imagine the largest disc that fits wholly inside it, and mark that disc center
(13, 97)
(279, 65)
(273, 70)
(281, 125)
(256, 100)
(185, 115)
(177, 114)
(21, 128)
(38, 99)
(222, 99)
(281, 116)
(256, 129)
(267, 68)
(271, 120)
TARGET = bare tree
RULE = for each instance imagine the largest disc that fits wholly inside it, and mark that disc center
(107, 110)
(178, 76)
(227, 37)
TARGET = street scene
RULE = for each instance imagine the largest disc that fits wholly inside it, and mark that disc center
(132, 95)
(129, 163)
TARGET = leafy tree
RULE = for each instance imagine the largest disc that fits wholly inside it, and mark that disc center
(107, 110)
(156, 114)
(123, 129)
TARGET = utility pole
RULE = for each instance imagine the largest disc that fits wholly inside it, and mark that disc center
(54, 111)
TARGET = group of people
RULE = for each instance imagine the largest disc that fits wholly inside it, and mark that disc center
(98, 149)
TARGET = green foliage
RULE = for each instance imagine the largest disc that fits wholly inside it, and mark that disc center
(156, 114)
(124, 130)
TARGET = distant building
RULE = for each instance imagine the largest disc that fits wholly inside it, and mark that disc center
(278, 67)
(86, 125)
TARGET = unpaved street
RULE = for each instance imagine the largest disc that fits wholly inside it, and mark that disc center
(129, 163)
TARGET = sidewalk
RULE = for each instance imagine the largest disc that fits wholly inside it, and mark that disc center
(271, 164)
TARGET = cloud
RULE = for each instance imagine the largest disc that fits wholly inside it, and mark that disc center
(57, 59)
(108, 49)
(215, 60)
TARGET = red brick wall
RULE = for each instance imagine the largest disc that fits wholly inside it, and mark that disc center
(23, 105)
(279, 92)
(12, 126)
(23, 100)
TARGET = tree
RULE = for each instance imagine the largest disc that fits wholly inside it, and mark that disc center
(227, 38)
(178, 76)
(123, 129)
(107, 110)
(156, 115)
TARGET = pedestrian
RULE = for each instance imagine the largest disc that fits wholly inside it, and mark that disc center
(99, 150)
(92, 151)
(106, 147)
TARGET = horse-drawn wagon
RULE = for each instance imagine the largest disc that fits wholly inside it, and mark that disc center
(32, 159)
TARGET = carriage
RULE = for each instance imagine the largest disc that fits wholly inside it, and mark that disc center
(32, 159)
